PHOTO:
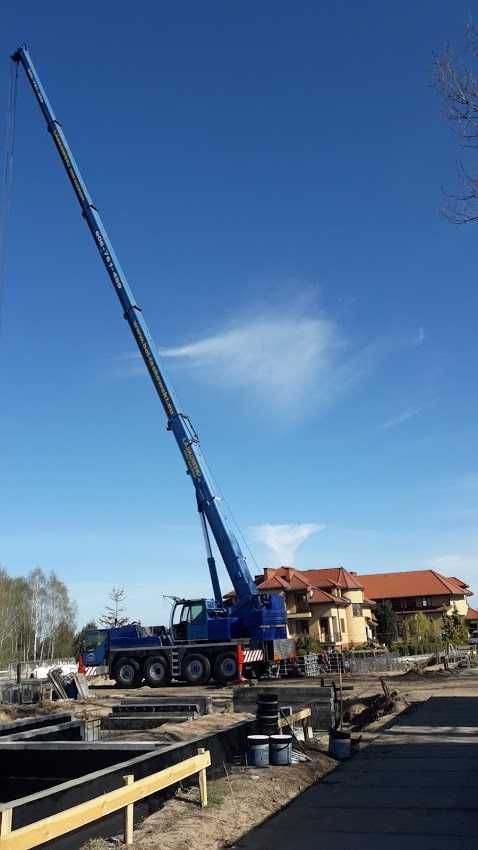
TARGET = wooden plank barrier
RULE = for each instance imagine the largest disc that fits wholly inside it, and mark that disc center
(121, 798)
(303, 716)
(296, 717)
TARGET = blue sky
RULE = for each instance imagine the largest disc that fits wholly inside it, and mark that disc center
(271, 178)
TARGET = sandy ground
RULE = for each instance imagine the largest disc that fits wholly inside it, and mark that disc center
(243, 797)
(170, 732)
(240, 800)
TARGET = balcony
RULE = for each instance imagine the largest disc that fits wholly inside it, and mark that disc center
(298, 606)
(299, 615)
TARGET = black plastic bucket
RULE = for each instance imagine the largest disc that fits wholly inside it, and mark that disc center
(267, 704)
(267, 698)
(268, 714)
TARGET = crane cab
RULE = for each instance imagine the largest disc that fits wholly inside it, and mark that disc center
(200, 619)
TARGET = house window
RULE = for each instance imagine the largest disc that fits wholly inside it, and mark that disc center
(342, 625)
(356, 609)
(424, 602)
(302, 627)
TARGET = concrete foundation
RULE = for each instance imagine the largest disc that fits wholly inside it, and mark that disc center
(141, 721)
(302, 693)
(103, 767)
(26, 724)
(200, 703)
(72, 730)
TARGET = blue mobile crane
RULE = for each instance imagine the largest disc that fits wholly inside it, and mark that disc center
(203, 632)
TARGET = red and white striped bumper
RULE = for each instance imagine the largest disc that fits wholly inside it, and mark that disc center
(251, 655)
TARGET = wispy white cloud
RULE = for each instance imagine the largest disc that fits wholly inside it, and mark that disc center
(284, 540)
(405, 416)
(445, 564)
(420, 336)
(290, 361)
(469, 481)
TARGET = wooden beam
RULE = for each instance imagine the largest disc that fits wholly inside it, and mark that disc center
(128, 813)
(202, 782)
(52, 827)
(290, 719)
(5, 822)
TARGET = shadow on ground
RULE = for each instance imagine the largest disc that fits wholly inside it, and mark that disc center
(415, 786)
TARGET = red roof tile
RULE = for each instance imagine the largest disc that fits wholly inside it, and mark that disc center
(457, 580)
(321, 597)
(275, 583)
(413, 583)
(471, 614)
(284, 579)
(337, 575)
(329, 577)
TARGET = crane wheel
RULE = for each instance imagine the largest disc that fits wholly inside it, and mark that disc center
(225, 668)
(156, 671)
(127, 673)
(196, 669)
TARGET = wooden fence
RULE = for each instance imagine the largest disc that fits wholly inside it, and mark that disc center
(122, 798)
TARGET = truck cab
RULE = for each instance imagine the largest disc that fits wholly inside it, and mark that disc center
(94, 647)
(195, 620)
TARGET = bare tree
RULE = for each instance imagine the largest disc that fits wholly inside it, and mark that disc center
(457, 84)
(112, 616)
(37, 617)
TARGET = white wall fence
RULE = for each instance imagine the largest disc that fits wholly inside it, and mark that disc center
(28, 668)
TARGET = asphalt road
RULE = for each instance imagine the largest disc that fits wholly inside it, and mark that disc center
(415, 787)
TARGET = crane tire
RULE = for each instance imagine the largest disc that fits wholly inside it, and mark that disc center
(196, 668)
(127, 672)
(156, 671)
(225, 668)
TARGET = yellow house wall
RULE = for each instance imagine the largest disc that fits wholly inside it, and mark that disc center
(357, 627)
(318, 611)
(354, 632)
(461, 603)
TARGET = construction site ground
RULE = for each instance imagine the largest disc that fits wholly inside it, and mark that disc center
(245, 798)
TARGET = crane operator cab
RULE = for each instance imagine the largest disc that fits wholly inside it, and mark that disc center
(199, 619)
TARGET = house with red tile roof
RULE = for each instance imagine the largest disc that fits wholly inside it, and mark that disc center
(419, 591)
(328, 604)
(335, 606)
(472, 620)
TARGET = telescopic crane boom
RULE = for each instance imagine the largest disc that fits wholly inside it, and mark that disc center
(259, 611)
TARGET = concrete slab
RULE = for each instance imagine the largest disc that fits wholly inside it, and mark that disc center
(296, 693)
(417, 783)
(349, 823)
(403, 779)
(371, 797)
(413, 763)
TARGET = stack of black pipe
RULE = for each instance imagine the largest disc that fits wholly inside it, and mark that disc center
(268, 714)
